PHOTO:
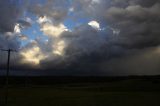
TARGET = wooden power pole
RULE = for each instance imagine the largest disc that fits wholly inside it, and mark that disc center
(7, 74)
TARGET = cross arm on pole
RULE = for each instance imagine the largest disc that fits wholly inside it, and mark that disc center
(11, 50)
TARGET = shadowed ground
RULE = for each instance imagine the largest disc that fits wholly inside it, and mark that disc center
(119, 93)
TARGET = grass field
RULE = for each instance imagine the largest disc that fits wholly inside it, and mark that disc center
(123, 93)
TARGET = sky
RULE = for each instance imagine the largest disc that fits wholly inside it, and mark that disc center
(81, 37)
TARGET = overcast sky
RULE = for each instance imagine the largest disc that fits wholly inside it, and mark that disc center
(82, 37)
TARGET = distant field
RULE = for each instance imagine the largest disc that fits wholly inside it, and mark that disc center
(129, 92)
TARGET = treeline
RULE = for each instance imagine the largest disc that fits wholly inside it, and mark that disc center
(50, 80)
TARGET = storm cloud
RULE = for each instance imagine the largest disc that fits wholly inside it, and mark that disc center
(110, 37)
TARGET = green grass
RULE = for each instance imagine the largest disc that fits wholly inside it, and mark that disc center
(86, 94)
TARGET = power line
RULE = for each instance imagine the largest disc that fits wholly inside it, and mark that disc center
(7, 73)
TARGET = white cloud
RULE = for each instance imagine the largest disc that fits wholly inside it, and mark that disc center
(32, 55)
(58, 47)
(17, 28)
(71, 9)
(23, 37)
(43, 19)
(52, 30)
(95, 1)
(29, 20)
(94, 24)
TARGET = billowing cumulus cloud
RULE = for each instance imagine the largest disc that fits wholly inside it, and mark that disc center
(108, 37)
(51, 30)
(32, 55)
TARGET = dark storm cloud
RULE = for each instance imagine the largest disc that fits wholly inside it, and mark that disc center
(127, 42)
(130, 27)
(9, 15)
(138, 25)
(139, 62)
(24, 23)
(82, 41)
(137, 21)
(125, 3)
(54, 9)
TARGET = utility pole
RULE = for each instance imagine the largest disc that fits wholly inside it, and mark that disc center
(7, 74)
